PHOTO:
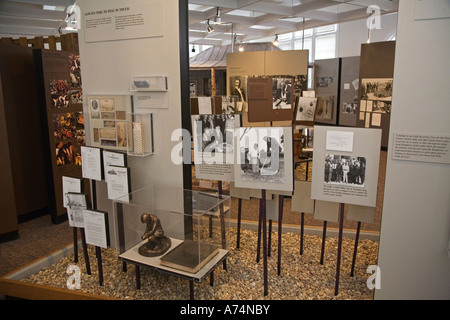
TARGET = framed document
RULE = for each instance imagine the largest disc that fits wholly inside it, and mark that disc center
(118, 182)
(92, 163)
(111, 158)
(70, 184)
(76, 203)
(96, 228)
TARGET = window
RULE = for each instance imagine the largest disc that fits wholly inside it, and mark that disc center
(325, 47)
(320, 41)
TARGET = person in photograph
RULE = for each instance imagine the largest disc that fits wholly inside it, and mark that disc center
(271, 159)
(327, 171)
(238, 90)
(345, 170)
(253, 157)
(338, 171)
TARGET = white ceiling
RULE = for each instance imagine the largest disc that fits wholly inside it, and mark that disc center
(253, 20)
(249, 20)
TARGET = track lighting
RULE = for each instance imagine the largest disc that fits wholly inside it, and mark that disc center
(218, 18)
(208, 27)
(275, 41)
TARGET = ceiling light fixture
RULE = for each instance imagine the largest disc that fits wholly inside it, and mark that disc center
(193, 48)
(218, 18)
(275, 41)
(208, 27)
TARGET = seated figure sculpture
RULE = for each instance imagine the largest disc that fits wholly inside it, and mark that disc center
(157, 243)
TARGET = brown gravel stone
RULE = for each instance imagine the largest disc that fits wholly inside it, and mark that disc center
(302, 276)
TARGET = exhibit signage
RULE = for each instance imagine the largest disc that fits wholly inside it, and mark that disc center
(126, 21)
(421, 147)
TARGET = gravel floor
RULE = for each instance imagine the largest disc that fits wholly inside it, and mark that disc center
(302, 276)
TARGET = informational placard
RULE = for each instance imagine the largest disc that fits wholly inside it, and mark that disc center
(214, 145)
(111, 158)
(70, 184)
(96, 228)
(264, 158)
(345, 165)
(123, 20)
(118, 182)
(421, 147)
(76, 204)
(92, 163)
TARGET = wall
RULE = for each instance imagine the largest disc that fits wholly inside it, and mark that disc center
(109, 66)
(413, 257)
(352, 34)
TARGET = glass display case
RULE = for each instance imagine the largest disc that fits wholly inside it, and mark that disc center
(176, 231)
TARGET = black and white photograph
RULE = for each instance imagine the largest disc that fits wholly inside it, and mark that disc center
(213, 137)
(264, 158)
(324, 82)
(239, 88)
(349, 107)
(94, 108)
(381, 106)
(282, 93)
(377, 89)
(306, 109)
(214, 133)
(345, 170)
(229, 104)
(261, 154)
(76, 203)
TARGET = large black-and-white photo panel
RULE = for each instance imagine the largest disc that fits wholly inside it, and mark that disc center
(264, 158)
(345, 165)
(213, 136)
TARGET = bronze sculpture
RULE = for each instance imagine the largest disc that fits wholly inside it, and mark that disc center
(157, 243)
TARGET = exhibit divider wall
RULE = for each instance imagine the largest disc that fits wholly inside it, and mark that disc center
(112, 59)
(22, 158)
(414, 240)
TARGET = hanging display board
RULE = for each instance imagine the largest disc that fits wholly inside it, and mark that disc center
(266, 82)
(62, 97)
(345, 165)
(270, 99)
(376, 86)
(326, 85)
(349, 89)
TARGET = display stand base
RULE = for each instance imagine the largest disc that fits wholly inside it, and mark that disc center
(132, 256)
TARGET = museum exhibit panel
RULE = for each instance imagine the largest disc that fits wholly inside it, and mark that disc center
(175, 176)
(61, 98)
